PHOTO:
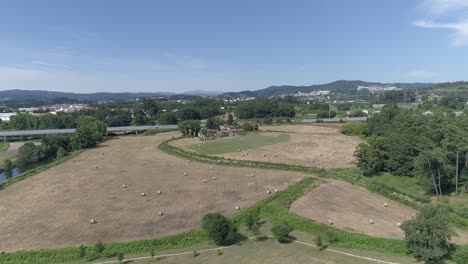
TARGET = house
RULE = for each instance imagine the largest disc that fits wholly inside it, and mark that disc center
(228, 131)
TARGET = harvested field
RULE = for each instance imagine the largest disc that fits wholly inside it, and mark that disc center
(54, 208)
(315, 145)
(350, 207)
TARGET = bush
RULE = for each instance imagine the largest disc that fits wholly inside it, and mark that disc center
(82, 251)
(219, 228)
(120, 256)
(460, 256)
(99, 247)
(252, 217)
(281, 232)
(354, 128)
(61, 152)
(318, 242)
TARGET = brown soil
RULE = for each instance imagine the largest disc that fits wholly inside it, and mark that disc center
(53, 208)
(351, 207)
(315, 145)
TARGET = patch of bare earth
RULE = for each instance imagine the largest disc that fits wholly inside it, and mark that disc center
(53, 208)
(350, 207)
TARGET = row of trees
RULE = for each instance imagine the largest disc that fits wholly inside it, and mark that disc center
(260, 108)
(433, 148)
(89, 133)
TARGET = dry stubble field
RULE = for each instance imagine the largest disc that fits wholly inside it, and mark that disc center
(53, 208)
(351, 207)
(314, 145)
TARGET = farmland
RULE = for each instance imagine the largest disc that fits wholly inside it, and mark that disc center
(53, 208)
(308, 145)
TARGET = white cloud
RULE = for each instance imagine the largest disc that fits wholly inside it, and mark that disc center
(441, 7)
(420, 74)
(43, 63)
(451, 9)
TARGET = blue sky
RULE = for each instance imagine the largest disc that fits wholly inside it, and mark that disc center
(221, 45)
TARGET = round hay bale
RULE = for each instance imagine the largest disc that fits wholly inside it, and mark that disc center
(385, 204)
(93, 221)
(274, 155)
(321, 154)
(252, 175)
(238, 150)
(264, 155)
(371, 221)
(143, 194)
(313, 160)
(276, 190)
(214, 178)
(330, 222)
(269, 192)
(398, 224)
(282, 148)
(246, 153)
(102, 153)
(333, 154)
(237, 208)
(242, 154)
(124, 186)
(211, 168)
(188, 161)
(204, 181)
(185, 173)
(160, 213)
(159, 192)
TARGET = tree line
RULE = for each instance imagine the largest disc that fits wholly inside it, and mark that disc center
(433, 148)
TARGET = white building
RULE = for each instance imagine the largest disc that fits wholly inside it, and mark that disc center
(6, 116)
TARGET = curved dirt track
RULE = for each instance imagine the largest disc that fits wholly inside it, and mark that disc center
(54, 208)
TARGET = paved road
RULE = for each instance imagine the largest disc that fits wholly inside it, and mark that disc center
(335, 119)
(72, 130)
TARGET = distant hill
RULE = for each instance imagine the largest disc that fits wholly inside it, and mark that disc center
(48, 96)
(337, 86)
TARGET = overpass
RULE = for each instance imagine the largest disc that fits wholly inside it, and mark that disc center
(124, 129)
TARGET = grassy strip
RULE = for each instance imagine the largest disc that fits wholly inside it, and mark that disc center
(4, 146)
(51, 256)
(39, 169)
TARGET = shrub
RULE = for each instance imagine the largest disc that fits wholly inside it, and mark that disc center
(61, 152)
(99, 247)
(8, 168)
(252, 217)
(318, 242)
(120, 256)
(354, 128)
(82, 251)
(152, 252)
(460, 256)
(281, 232)
(219, 228)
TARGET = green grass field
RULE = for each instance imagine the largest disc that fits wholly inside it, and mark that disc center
(405, 184)
(4, 146)
(227, 145)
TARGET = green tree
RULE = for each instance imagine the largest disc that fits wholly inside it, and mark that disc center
(427, 235)
(89, 132)
(189, 113)
(211, 123)
(219, 228)
(29, 155)
(230, 119)
(8, 168)
(190, 127)
(168, 119)
(281, 232)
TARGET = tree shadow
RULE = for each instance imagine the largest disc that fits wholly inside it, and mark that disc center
(238, 239)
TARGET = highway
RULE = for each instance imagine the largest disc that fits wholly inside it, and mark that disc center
(19, 133)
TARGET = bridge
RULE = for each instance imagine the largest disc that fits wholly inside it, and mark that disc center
(40, 132)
